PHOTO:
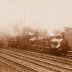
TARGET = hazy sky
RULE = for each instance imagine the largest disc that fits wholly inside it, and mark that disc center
(43, 14)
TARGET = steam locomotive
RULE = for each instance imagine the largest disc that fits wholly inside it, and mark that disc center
(55, 45)
(59, 46)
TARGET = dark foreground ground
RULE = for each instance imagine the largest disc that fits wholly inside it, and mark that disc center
(6, 68)
(9, 66)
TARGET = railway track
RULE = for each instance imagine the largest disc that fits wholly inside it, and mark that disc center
(45, 56)
(12, 66)
(51, 63)
(69, 55)
(26, 62)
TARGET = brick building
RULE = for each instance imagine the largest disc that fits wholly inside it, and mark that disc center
(68, 35)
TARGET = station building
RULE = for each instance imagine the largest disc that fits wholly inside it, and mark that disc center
(68, 35)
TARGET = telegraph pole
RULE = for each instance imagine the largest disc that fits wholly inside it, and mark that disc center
(24, 16)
